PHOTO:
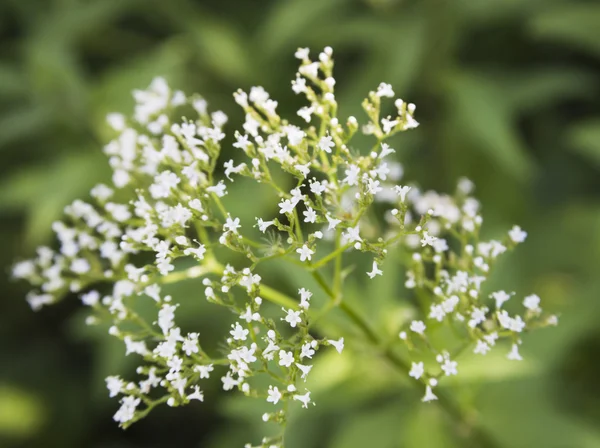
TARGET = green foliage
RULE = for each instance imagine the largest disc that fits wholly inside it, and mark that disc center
(506, 94)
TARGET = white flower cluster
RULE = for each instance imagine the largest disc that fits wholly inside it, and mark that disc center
(165, 205)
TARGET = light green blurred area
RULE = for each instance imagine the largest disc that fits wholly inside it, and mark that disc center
(507, 94)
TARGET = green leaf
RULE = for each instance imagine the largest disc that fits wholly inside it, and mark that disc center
(285, 26)
(575, 24)
(44, 191)
(585, 139)
(481, 115)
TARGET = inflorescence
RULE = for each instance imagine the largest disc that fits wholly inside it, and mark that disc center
(165, 209)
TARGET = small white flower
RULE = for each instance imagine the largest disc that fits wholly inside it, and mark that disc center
(450, 367)
(305, 253)
(304, 369)
(429, 395)
(115, 385)
(417, 326)
(326, 143)
(500, 297)
(273, 395)
(402, 192)
(333, 222)
(305, 296)
(239, 333)
(310, 215)
(285, 358)
(231, 225)
(307, 351)
(339, 344)
(385, 90)
(286, 206)
(302, 53)
(196, 395)
(427, 239)
(517, 235)
(481, 348)
(514, 355)
(292, 317)
(263, 225)
(417, 370)
(532, 302)
(304, 399)
(352, 234)
(375, 271)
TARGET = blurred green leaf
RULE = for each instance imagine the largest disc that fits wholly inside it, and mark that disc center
(482, 116)
(68, 178)
(286, 24)
(584, 138)
(21, 412)
(572, 23)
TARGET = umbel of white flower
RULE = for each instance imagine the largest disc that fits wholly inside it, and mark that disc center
(164, 208)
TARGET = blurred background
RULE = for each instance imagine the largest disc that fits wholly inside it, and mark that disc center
(507, 94)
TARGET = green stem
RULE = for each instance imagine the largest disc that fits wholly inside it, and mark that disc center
(326, 259)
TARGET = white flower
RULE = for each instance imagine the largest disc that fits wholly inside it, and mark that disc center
(274, 395)
(204, 371)
(386, 150)
(220, 189)
(310, 215)
(517, 235)
(481, 348)
(385, 90)
(352, 174)
(402, 192)
(427, 239)
(196, 395)
(292, 318)
(127, 410)
(416, 371)
(333, 222)
(352, 234)
(532, 302)
(450, 367)
(263, 225)
(231, 225)
(500, 297)
(285, 358)
(229, 382)
(299, 85)
(429, 395)
(339, 344)
(115, 385)
(375, 271)
(514, 355)
(196, 252)
(308, 350)
(238, 332)
(249, 316)
(417, 326)
(304, 369)
(305, 296)
(190, 344)
(326, 143)
(286, 206)
(373, 186)
(388, 125)
(306, 113)
(305, 253)
(304, 399)
(302, 53)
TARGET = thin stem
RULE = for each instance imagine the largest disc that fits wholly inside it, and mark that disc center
(326, 259)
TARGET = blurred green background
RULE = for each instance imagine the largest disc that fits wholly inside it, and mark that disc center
(507, 94)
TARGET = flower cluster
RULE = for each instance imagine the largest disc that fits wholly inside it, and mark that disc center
(165, 210)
